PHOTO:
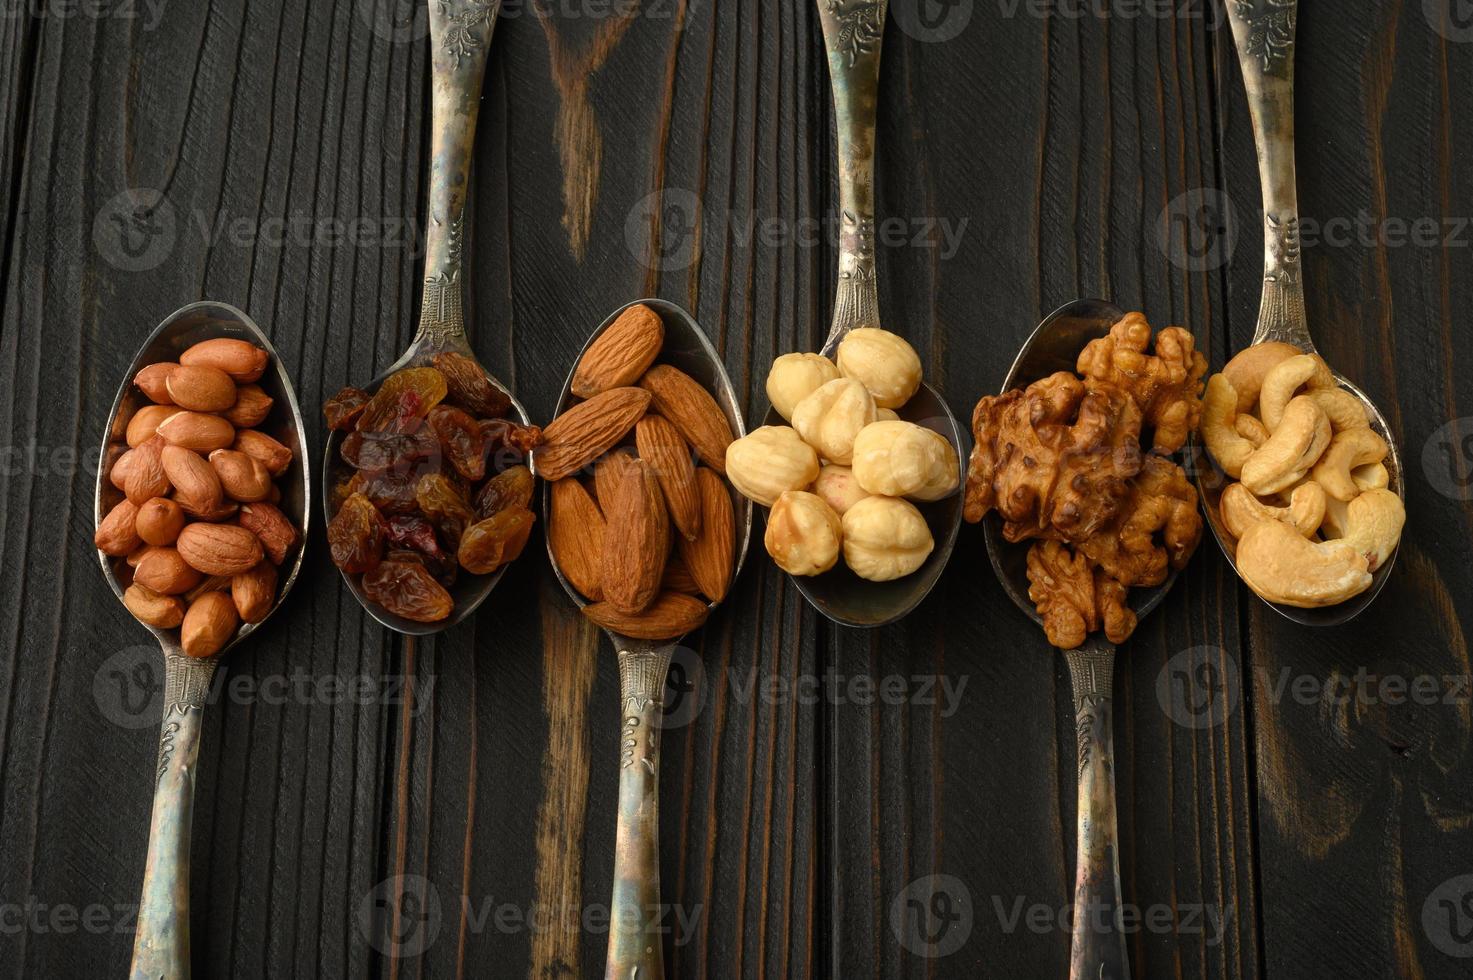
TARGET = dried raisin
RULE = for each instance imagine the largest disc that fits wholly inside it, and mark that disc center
(342, 410)
(461, 440)
(409, 590)
(510, 489)
(355, 536)
(470, 388)
(508, 443)
(403, 401)
(444, 504)
(488, 545)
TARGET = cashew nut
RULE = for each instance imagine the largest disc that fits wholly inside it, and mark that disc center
(1251, 429)
(1344, 409)
(1337, 518)
(1299, 439)
(1241, 510)
(1373, 525)
(1283, 566)
(1353, 447)
(1247, 370)
(1287, 378)
(1219, 406)
(1372, 476)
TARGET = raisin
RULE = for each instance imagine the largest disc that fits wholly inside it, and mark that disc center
(461, 441)
(355, 536)
(508, 443)
(391, 492)
(488, 545)
(510, 489)
(443, 502)
(345, 489)
(342, 410)
(417, 535)
(469, 387)
(409, 590)
(376, 452)
(403, 401)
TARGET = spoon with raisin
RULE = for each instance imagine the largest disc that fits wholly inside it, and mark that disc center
(425, 476)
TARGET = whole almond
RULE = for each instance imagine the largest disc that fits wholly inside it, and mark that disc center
(242, 477)
(145, 478)
(251, 407)
(608, 472)
(692, 409)
(621, 353)
(145, 423)
(588, 430)
(219, 549)
(159, 521)
(670, 616)
(678, 577)
(117, 535)
(272, 454)
(200, 389)
(196, 485)
(278, 535)
(254, 592)
(208, 625)
(660, 443)
(153, 381)
(198, 431)
(164, 612)
(711, 554)
(575, 533)
(636, 541)
(243, 361)
(164, 571)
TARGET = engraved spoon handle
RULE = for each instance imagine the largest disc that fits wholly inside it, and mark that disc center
(852, 31)
(635, 943)
(1264, 33)
(161, 945)
(1097, 951)
(460, 34)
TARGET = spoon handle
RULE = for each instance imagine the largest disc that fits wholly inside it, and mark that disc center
(1264, 32)
(1098, 948)
(161, 945)
(852, 31)
(460, 34)
(635, 927)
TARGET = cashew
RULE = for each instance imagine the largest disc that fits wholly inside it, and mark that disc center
(1353, 447)
(1241, 510)
(1300, 438)
(1287, 378)
(1251, 429)
(1219, 406)
(1337, 518)
(1344, 409)
(1372, 476)
(1247, 370)
(1282, 566)
(1373, 526)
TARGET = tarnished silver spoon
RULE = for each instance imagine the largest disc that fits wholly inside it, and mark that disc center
(161, 943)
(1097, 949)
(460, 34)
(635, 927)
(852, 37)
(1265, 31)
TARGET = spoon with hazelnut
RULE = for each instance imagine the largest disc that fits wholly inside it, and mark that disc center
(1264, 31)
(161, 943)
(460, 35)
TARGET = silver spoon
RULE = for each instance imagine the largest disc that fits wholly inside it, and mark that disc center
(634, 927)
(1097, 949)
(161, 943)
(1264, 32)
(460, 34)
(852, 38)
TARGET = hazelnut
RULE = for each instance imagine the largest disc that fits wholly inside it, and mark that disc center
(902, 459)
(838, 488)
(830, 418)
(794, 377)
(885, 538)
(768, 461)
(883, 362)
(803, 534)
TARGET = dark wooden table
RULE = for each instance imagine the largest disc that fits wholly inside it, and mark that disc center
(1293, 804)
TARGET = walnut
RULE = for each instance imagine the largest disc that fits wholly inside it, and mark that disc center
(1162, 503)
(1075, 598)
(1166, 386)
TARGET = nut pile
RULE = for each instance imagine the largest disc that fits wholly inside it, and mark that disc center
(1312, 511)
(198, 532)
(1061, 462)
(640, 519)
(842, 477)
(439, 484)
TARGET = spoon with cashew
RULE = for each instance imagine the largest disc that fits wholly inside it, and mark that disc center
(1313, 521)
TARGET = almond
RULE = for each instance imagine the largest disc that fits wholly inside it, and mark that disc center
(636, 541)
(117, 535)
(710, 556)
(251, 407)
(243, 361)
(274, 529)
(608, 472)
(208, 625)
(200, 389)
(159, 521)
(198, 431)
(621, 353)
(145, 477)
(661, 445)
(692, 410)
(575, 533)
(153, 381)
(219, 549)
(670, 616)
(678, 577)
(163, 612)
(272, 454)
(145, 423)
(588, 430)
(164, 571)
(196, 485)
(254, 592)
(242, 477)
